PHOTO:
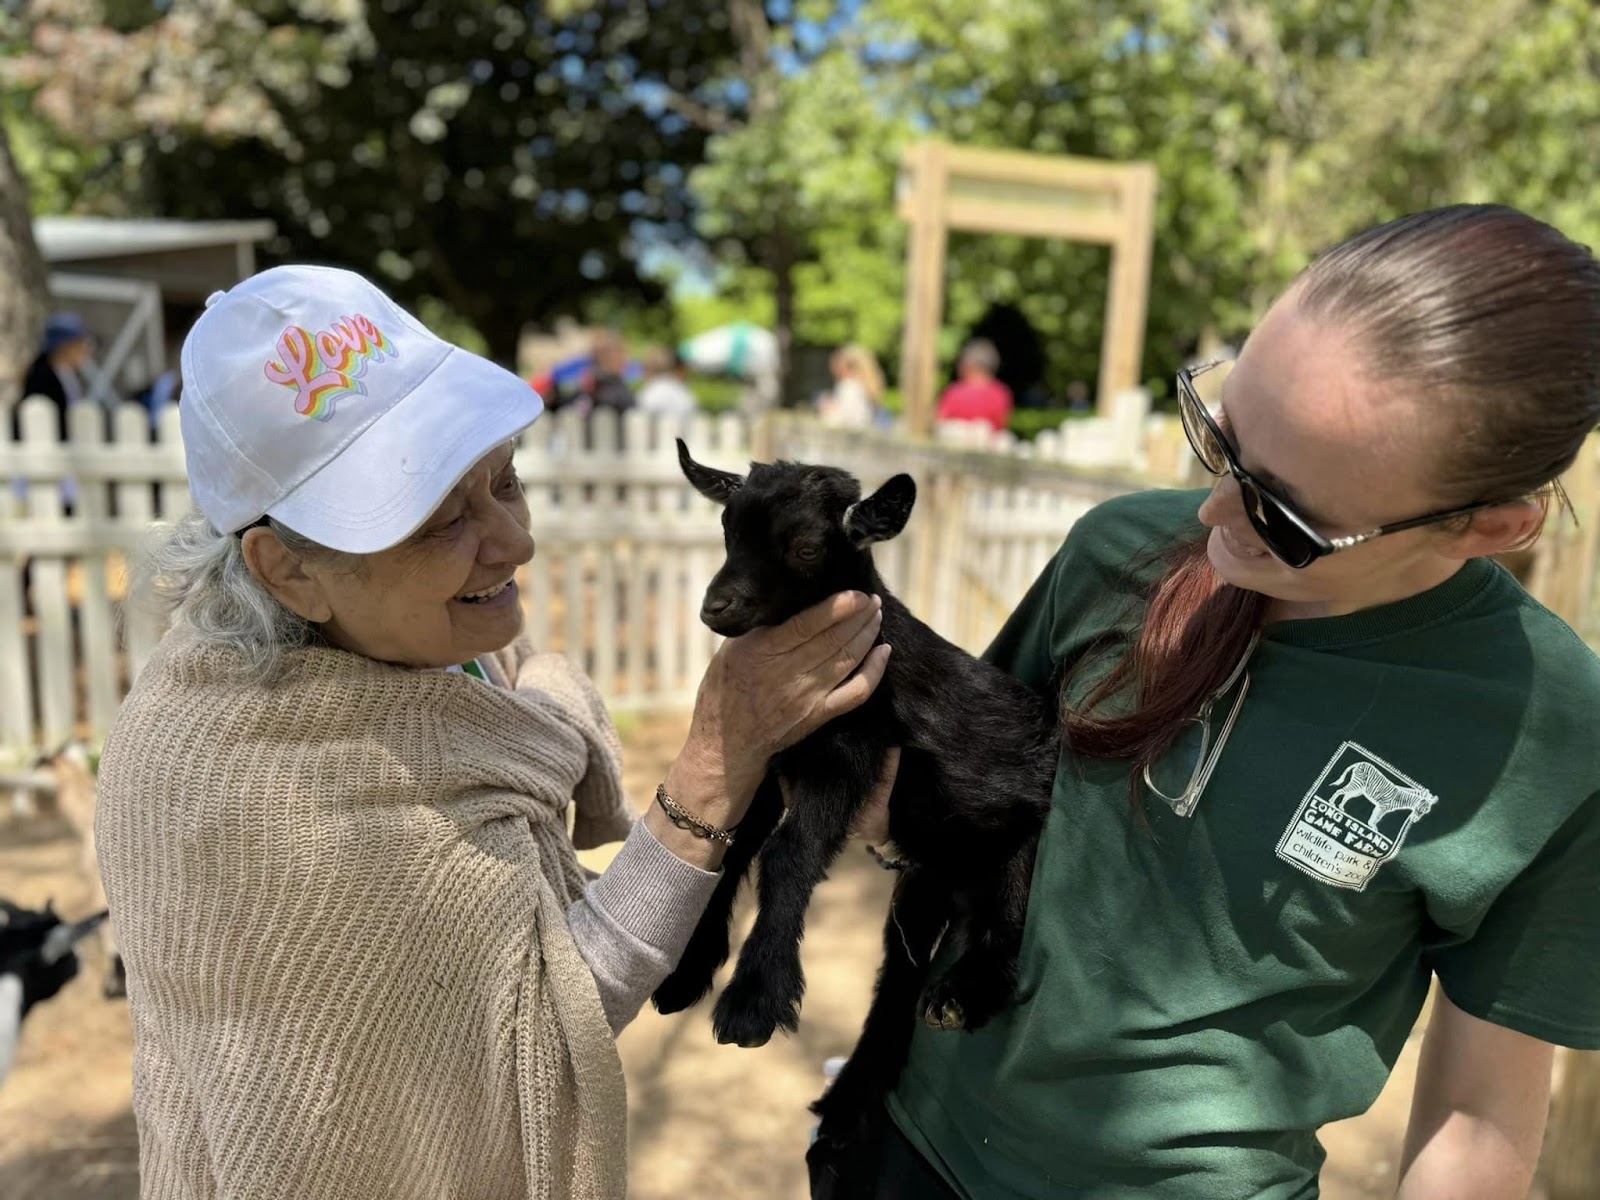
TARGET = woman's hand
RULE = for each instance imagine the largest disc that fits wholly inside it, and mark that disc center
(872, 821)
(766, 691)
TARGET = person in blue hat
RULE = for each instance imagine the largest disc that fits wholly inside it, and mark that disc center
(64, 351)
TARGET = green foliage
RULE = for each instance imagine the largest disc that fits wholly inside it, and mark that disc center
(810, 180)
(54, 167)
(1029, 423)
(743, 295)
(716, 393)
(493, 163)
(1276, 126)
(449, 324)
(495, 157)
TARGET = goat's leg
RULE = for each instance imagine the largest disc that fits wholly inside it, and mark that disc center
(852, 1108)
(708, 945)
(983, 978)
(767, 985)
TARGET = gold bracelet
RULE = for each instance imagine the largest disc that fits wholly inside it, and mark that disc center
(688, 822)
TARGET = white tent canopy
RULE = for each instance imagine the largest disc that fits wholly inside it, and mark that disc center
(741, 349)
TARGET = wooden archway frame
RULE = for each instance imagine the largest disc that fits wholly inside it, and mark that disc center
(946, 187)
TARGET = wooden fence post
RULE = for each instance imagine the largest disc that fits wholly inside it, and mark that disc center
(1566, 577)
(1571, 1164)
(924, 285)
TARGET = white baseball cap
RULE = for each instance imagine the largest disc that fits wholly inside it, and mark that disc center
(312, 398)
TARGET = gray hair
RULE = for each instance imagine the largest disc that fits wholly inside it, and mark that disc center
(980, 353)
(197, 577)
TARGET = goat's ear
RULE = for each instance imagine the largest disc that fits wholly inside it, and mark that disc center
(708, 481)
(883, 514)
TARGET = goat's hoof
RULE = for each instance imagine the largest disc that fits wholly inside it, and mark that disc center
(748, 1015)
(944, 1015)
(678, 993)
(742, 1028)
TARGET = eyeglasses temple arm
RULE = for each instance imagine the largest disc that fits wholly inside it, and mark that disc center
(1430, 519)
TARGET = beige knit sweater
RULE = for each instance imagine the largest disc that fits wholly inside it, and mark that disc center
(341, 902)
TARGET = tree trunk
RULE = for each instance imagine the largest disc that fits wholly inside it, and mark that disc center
(24, 296)
(1571, 1164)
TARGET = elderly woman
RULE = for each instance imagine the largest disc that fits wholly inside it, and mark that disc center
(362, 957)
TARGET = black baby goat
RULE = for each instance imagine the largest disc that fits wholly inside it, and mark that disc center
(969, 800)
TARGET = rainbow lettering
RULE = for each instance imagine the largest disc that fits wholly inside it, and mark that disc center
(323, 368)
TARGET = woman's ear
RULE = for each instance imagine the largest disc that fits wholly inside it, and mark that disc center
(1499, 529)
(283, 574)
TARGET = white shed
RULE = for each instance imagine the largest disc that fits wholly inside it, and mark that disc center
(133, 279)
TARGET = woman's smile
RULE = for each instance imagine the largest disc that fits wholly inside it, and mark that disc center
(496, 595)
(1240, 547)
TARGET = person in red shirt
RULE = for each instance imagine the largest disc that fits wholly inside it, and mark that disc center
(977, 395)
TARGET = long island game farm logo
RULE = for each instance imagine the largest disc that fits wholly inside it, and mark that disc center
(1354, 818)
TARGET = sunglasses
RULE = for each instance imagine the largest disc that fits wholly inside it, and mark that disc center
(1287, 534)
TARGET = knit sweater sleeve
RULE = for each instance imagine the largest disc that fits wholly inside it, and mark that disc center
(632, 923)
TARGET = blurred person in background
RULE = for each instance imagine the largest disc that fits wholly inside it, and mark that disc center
(610, 387)
(977, 395)
(857, 393)
(164, 392)
(55, 373)
(665, 391)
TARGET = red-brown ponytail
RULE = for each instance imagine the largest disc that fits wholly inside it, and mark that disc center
(1193, 630)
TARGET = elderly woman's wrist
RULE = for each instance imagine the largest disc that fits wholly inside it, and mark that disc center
(697, 788)
(712, 789)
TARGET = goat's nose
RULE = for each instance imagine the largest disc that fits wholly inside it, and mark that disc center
(715, 606)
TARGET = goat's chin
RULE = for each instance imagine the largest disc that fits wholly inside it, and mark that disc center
(725, 627)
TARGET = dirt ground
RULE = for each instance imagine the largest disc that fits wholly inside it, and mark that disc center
(707, 1121)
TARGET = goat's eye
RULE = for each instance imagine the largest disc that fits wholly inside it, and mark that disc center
(807, 554)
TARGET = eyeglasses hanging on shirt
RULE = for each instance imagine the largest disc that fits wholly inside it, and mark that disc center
(1193, 750)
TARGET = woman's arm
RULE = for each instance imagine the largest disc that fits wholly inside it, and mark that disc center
(762, 692)
(1478, 1113)
(633, 922)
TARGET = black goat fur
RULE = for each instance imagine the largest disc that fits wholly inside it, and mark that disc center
(970, 797)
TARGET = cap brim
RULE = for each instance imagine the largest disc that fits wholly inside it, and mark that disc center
(386, 483)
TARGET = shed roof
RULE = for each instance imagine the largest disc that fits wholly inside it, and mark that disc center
(74, 239)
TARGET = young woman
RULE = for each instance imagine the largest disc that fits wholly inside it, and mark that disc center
(1320, 751)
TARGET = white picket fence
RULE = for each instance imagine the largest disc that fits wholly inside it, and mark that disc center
(625, 548)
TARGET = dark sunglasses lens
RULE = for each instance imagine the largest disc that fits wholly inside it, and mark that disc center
(1202, 438)
(1281, 533)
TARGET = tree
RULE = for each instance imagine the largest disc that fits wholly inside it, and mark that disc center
(24, 297)
(1276, 126)
(804, 192)
(501, 159)
(801, 155)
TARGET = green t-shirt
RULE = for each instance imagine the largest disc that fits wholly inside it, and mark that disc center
(1409, 790)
